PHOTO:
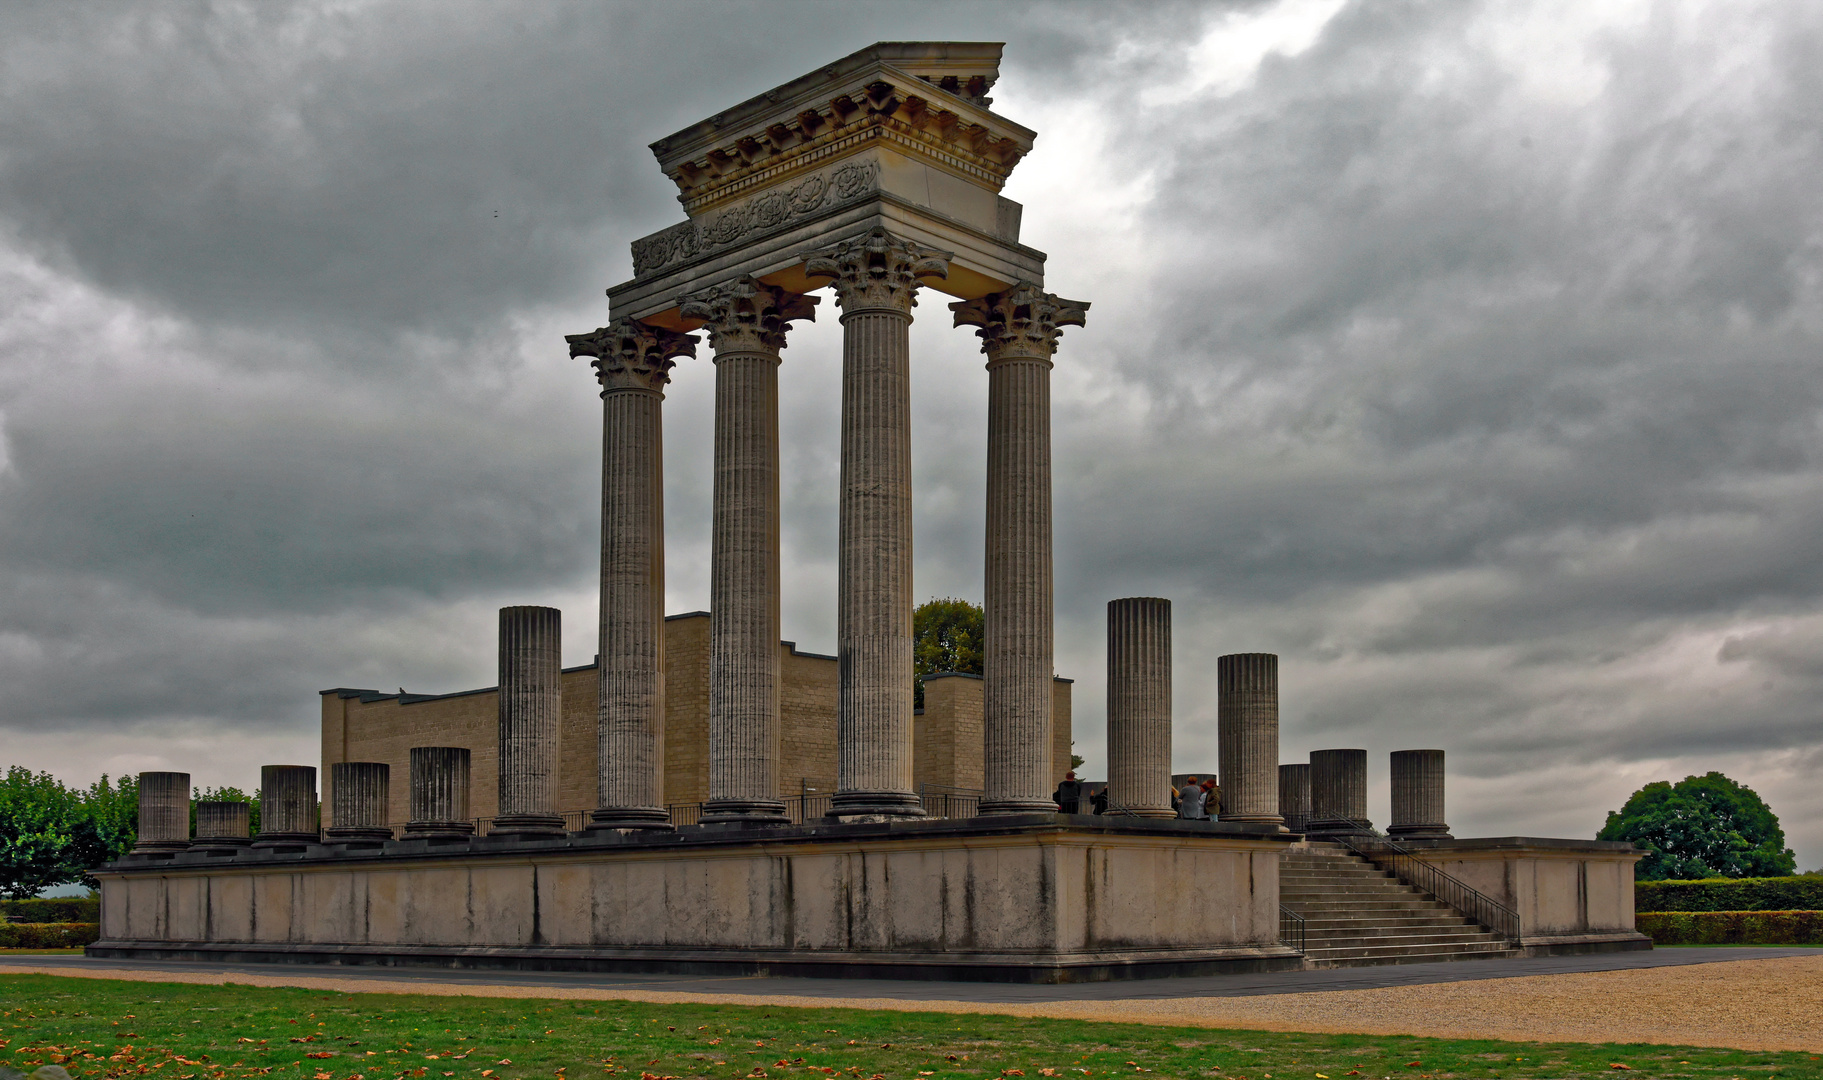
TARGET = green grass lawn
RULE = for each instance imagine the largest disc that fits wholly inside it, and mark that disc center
(181, 1032)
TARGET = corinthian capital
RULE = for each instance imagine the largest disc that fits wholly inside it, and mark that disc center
(1024, 322)
(629, 355)
(745, 315)
(878, 270)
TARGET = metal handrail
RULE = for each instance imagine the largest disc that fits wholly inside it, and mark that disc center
(1291, 929)
(1404, 864)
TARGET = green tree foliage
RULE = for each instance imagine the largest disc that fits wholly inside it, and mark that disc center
(1701, 827)
(54, 835)
(946, 636)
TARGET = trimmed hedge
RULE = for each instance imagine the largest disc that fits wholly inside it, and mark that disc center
(67, 935)
(69, 909)
(1731, 927)
(1731, 894)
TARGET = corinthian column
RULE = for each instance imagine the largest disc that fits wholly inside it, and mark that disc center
(876, 281)
(747, 322)
(633, 363)
(1019, 329)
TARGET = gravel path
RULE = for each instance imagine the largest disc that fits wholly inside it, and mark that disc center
(1770, 1004)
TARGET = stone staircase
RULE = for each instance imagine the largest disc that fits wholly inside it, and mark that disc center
(1356, 914)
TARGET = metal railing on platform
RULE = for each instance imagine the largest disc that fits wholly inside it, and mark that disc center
(1410, 868)
(1291, 929)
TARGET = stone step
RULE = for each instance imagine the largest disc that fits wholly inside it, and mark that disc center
(1430, 950)
(1304, 905)
(1384, 919)
(1317, 963)
(1331, 934)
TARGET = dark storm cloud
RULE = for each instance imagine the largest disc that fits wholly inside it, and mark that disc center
(1465, 354)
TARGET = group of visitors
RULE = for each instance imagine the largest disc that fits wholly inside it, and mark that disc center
(1197, 800)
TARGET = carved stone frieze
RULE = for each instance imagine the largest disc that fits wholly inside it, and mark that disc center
(743, 314)
(1024, 322)
(878, 270)
(754, 216)
(628, 354)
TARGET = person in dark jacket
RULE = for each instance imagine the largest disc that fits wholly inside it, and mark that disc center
(1099, 800)
(1068, 794)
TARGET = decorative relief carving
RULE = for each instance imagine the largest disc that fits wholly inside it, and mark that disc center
(1024, 322)
(744, 315)
(878, 270)
(628, 354)
(767, 210)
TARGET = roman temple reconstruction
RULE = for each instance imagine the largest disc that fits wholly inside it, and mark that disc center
(704, 797)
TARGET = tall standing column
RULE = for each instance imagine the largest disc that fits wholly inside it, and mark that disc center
(633, 363)
(1139, 707)
(531, 709)
(876, 282)
(1417, 782)
(1338, 793)
(164, 813)
(1247, 736)
(1019, 330)
(747, 323)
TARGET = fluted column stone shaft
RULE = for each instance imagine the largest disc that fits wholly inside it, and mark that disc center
(747, 323)
(1294, 795)
(221, 827)
(531, 712)
(358, 793)
(876, 282)
(1019, 330)
(439, 794)
(1417, 790)
(1139, 706)
(288, 807)
(164, 813)
(1338, 792)
(632, 362)
(1247, 736)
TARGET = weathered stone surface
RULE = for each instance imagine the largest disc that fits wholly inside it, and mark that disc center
(1338, 792)
(999, 897)
(1019, 331)
(632, 362)
(1417, 795)
(288, 807)
(1294, 795)
(1570, 895)
(358, 796)
(164, 813)
(747, 323)
(1247, 736)
(1139, 707)
(221, 826)
(876, 279)
(439, 793)
(531, 708)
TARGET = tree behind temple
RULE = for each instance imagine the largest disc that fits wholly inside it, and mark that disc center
(946, 636)
(1702, 826)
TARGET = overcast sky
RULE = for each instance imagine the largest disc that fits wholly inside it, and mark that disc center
(1464, 354)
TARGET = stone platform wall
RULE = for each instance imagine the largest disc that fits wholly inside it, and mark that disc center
(1570, 894)
(1024, 899)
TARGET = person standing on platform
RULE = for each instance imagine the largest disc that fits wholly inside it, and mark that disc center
(1212, 799)
(1068, 794)
(1190, 801)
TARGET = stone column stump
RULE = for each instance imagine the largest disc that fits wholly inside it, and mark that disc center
(1338, 793)
(221, 827)
(1139, 707)
(1417, 783)
(358, 794)
(1247, 736)
(1294, 796)
(439, 794)
(288, 807)
(531, 710)
(164, 813)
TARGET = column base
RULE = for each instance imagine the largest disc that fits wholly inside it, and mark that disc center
(745, 811)
(357, 835)
(1438, 831)
(1253, 819)
(527, 825)
(875, 806)
(160, 847)
(285, 841)
(619, 818)
(1321, 828)
(995, 807)
(436, 831)
(220, 845)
